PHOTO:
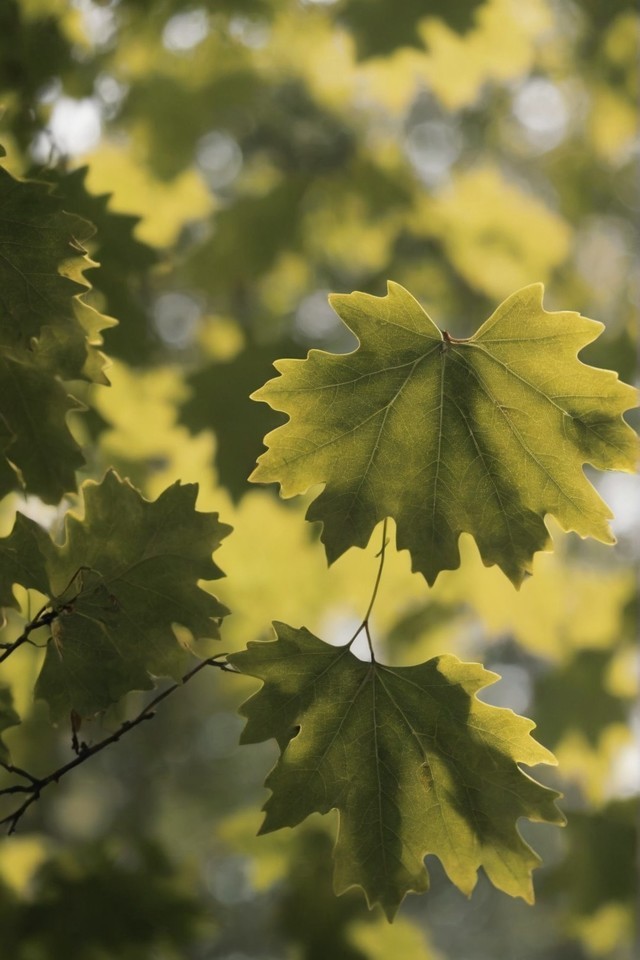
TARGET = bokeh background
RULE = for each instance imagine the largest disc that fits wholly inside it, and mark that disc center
(241, 159)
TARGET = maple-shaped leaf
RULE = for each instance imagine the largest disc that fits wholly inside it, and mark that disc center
(42, 260)
(124, 262)
(413, 761)
(126, 572)
(47, 335)
(485, 435)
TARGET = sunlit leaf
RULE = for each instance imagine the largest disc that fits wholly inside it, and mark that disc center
(413, 761)
(485, 435)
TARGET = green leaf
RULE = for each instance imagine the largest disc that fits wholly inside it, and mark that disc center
(413, 761)
(41, 454)
(8, 718)
(485, 435)
(42, 259)
(575, 697)
(220, 402)
(124, 261)
(600, 864)
(47, 334)
(22, 560)
(377, 33)
(126, 573)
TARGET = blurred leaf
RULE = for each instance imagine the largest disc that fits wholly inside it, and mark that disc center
(8, 718)
(600, 864)
(379, 940)
(404, 754)
(510, 417)
(33, 50)
(575, 696)
(309, 914)
(376, 32)
(163, 208)
(248, 236)
(497, 236)
(89, 903)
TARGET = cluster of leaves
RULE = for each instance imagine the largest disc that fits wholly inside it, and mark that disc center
(259, 178)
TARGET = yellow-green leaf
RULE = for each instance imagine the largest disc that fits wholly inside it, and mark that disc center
(413, 761)
(485, 435)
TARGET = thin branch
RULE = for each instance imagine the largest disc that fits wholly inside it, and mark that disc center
(34, 786)
(46, 616)
(365, 621)
(41, 620)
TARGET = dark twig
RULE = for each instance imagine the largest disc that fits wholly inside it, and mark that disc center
(41, 620)
(45, 616)
(34, 785)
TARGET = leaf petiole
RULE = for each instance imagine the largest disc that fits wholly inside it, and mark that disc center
(365, 622)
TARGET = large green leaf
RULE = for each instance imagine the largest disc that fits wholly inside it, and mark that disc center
(126, 573)
(413, 761)
(484, 435)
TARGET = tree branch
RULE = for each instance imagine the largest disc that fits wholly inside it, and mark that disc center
(41, 620)
(34, 786)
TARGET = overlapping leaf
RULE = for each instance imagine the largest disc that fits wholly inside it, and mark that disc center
(485, 435)
(220, 402)
(125, 574)
(412, 760)
(124, 260)
(47, 334)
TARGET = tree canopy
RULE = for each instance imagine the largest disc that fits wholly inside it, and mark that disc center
(315, 236)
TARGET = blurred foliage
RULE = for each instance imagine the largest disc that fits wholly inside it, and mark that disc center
(245, 157)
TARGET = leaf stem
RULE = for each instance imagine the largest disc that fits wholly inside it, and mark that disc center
(365, 621)
(34, 785)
